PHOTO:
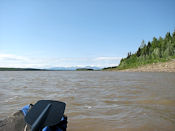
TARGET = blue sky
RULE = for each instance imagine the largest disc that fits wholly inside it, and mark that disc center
(47, 33)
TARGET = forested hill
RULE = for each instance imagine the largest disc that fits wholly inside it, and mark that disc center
(158, 50)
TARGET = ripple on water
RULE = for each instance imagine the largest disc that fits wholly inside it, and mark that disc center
(96, 100)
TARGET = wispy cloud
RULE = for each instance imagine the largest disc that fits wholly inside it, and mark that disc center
(107, 58)
(10, 60)
(12, 57)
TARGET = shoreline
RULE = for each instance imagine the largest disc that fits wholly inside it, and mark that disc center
(168, 66)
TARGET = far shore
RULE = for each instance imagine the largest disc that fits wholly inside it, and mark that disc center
(168, 66)
(155, 67)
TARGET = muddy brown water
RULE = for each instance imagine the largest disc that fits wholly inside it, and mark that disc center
(96, 101)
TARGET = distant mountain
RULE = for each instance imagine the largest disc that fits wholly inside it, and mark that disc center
(73, 68)
(63, 68)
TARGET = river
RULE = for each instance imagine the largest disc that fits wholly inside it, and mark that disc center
(96, 100)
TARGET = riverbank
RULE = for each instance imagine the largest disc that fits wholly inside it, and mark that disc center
(155, 67)
(150, 57)
(19, 69)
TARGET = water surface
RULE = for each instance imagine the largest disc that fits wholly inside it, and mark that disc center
(96, 100)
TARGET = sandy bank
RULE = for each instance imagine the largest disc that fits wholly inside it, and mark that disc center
(155, 67)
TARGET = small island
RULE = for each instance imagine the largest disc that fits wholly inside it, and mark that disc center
(84, 69)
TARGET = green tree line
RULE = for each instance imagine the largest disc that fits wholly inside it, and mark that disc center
(157, 50)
